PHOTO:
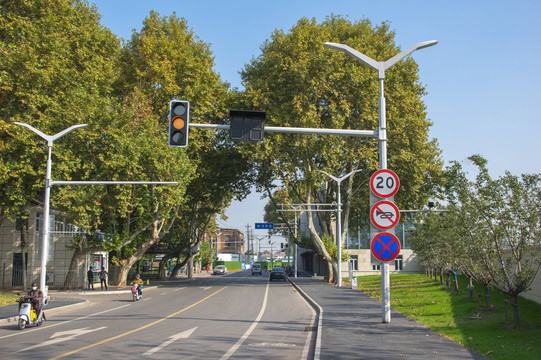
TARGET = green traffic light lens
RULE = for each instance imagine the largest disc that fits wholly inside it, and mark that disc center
(177, 138)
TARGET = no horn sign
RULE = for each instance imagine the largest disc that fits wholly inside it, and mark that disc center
(384, 215)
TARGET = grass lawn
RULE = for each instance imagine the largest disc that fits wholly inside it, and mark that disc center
(8, 299)
(431, 304)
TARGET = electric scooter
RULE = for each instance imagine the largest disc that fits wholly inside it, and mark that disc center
(27, 312)
(135, 292)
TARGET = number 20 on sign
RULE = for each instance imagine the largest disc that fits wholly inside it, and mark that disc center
(384, 183)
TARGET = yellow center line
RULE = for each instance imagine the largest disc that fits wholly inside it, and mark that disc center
(135, 330)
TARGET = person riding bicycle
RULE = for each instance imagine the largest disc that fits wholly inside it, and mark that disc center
(139, 282)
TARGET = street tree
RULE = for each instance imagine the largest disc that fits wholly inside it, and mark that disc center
(57, 65)
(299, 83)
(503, 221)
(166, 60)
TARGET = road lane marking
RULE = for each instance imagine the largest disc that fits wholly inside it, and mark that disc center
(62, 336)
(183, 335)
(138, 329)
(250, 329)
(48, 326)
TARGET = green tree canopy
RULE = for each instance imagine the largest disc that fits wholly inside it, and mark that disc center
(57, 65)
(299, 83)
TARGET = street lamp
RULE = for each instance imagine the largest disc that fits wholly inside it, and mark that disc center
(380, 67)
(46, 208)
(339, 221)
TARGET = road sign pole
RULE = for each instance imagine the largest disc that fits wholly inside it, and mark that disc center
(381, 67)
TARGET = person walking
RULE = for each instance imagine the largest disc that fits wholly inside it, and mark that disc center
(90, 276)
(103, 277)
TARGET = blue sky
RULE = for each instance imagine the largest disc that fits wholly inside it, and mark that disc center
(483, 78)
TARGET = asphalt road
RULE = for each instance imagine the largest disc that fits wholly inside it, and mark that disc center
(236, 316)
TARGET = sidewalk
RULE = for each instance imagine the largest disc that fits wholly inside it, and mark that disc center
(352, 328)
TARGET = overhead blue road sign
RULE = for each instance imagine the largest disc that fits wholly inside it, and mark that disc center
(264, 225)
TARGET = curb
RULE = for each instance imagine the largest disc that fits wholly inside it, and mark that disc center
(107, 292)
(319, 312)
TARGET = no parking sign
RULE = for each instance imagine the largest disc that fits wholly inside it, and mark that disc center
(385, 246)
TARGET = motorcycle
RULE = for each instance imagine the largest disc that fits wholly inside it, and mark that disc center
(136, 294)
(27, 312)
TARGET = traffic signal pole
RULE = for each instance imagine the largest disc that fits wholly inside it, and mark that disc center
(296, 130)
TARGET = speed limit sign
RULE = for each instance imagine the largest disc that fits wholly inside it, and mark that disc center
(384, 183)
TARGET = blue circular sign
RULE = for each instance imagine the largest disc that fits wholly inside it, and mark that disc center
(385, 246)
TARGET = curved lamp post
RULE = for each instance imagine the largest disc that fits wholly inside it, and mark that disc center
(381, 67)
(46, 208)
(339, 221)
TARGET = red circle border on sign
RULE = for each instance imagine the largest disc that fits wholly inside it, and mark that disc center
(394, 222)
(394, 238)
(393, 174)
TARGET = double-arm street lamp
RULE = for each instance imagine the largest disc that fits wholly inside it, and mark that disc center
(339, 221)
(381, 67)
(49, 183)
(46, 208)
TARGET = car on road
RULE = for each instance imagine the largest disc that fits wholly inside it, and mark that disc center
(219, 270)
(256, 269)
(277, 273)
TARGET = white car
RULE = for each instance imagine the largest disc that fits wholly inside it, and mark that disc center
(256, 269)
(219, 270)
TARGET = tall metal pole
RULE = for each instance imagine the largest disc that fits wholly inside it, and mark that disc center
(339, 223)
(46, 211)
(385, 277)
(339, 235)
(46, 206)
(380, 67)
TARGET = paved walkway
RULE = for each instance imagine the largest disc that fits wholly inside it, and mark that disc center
(352, 328)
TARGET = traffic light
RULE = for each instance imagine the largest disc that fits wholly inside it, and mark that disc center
(282, 245)
(179, 111)
(247, 126)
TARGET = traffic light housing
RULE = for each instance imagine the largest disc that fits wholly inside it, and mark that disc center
(247, 126)
(179, 112)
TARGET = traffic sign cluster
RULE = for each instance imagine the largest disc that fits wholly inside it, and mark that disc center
(384, 215)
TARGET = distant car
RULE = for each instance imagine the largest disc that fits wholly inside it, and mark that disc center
(220, 270)
(277, 273)
(256, 269)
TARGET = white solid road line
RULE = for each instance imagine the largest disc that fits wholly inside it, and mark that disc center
(250, 329)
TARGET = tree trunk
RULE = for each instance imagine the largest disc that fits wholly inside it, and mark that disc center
(516, 316)
(190, 267)
(162, 269)
(124, 267)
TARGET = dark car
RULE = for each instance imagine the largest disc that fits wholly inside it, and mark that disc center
(277, 273)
